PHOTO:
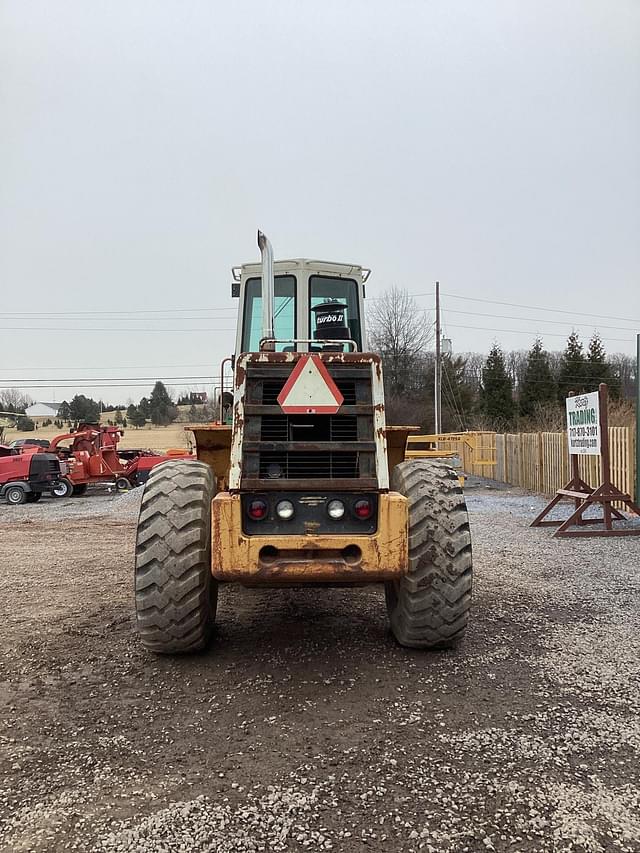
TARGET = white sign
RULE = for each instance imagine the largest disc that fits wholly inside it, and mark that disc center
(310, 389)
(583, 424)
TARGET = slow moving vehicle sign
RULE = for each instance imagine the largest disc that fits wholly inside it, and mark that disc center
(583, 424)
(310, 390)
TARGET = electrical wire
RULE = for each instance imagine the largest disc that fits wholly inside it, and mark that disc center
(541, 308)
(117, 379)
(115, 312)
(529, 332)
(110, 367)
(527, 319)
(84, 384)
(122, 331)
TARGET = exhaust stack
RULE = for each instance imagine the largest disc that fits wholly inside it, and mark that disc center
(268, 289)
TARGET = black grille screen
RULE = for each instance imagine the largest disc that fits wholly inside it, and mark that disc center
(305, 448)
(297, 465)
(309, 428)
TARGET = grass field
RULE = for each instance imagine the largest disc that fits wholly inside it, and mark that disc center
(147, 438)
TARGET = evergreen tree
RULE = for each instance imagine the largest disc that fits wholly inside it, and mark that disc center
(64, 412)
(497, 392)
(597, 368)
(145, 407)
(117, 417)
(573, 374)
(84, 409)
(538, 384)
(135, 417)
(163, 411)
(193, 413)
(458, 395)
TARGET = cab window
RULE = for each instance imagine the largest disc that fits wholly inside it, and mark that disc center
(328, 289)
(284, 312)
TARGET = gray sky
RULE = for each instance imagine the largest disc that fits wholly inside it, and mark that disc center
(491, 145)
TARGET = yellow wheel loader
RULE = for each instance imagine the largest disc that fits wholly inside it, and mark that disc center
(308, 486)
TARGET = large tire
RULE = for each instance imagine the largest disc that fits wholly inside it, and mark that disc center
(429, 606)
(15, 495)
(63, 488)
(175, 594)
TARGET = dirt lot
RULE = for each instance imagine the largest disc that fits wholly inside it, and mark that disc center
(305, 727)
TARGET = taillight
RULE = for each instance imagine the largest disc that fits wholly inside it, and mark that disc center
(363, 508)
(257, 510)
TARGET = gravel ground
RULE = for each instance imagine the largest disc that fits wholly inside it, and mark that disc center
(306, 727)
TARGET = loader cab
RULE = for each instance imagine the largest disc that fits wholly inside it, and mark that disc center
(301, 289)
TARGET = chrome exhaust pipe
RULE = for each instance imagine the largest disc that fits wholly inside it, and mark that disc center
(268, 287)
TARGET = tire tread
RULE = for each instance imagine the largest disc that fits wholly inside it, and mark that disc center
(175, 595)
(429, 607)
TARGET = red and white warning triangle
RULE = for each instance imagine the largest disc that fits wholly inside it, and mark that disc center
(310, 390)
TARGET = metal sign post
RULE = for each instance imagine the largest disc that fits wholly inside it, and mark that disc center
(588, 435)
(638, 420)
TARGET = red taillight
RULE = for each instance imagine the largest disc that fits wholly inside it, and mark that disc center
(363, 508)
(257, 510)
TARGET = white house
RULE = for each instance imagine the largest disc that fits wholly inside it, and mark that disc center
(42, 410)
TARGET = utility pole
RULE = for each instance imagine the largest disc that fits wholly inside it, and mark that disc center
(637, 418)
(438, 366)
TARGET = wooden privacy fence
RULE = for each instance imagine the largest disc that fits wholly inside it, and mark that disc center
(539, 461)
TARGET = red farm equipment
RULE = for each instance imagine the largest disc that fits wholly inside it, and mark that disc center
(92, 456)
(27, 472)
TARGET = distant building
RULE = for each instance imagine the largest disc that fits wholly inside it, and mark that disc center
(196, 397)
(42, 410)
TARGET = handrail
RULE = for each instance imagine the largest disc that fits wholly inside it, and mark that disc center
(263, 341)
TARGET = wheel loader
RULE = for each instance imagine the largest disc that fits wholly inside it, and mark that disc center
(308, 486)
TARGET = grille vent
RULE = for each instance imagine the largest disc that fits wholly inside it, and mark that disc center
(308, 450)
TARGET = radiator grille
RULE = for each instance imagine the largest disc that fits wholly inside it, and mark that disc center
(297, 465)
(302, 449)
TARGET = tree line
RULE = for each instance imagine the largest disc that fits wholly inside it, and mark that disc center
(502, 390)
(158, 408)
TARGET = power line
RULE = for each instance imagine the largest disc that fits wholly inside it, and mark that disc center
(110, 367)
(530, 319)
(541, 308)
(57, 385)
(122, 331)
(89, 381)
(115, 312)
(529, 332)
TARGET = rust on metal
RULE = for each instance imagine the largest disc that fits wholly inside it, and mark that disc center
(310, 557)
(290, 357)
(346, 484)
(213, 446)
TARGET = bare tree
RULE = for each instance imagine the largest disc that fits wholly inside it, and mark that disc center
(14, 400)
(624, 371)
(400, 331)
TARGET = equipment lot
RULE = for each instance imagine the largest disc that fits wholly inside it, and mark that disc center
(306, 727)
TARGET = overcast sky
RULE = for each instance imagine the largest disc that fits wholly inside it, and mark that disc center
(490, 145)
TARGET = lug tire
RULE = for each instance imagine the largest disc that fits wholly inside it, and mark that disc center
(429, 606)
(123, 485)
(15, 495)
(64, 489)
(79, 490)
(175, 594)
